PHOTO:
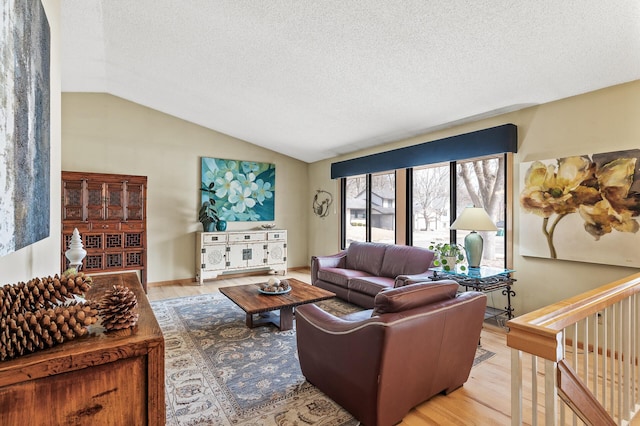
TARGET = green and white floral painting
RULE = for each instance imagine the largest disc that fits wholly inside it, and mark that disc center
(582, 208)
(242, 190)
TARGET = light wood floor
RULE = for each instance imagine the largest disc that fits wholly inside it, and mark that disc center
(483, 400)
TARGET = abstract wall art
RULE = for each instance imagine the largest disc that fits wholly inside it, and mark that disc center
(242, 190)
(583, 208)
(24, 124)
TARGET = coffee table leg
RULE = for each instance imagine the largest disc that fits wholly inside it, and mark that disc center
(284, 321)
(249, 320)
(286, 318)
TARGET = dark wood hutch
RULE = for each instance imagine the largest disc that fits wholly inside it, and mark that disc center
(110, 212)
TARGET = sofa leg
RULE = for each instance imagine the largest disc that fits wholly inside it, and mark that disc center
(452, 388)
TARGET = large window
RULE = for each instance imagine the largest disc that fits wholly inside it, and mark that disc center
(436, 195)
(355, 209)
(431, 213)
(481, 183)
(383, 208)
(370, 208)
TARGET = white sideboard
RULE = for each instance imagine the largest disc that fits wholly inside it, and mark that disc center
(238, 251)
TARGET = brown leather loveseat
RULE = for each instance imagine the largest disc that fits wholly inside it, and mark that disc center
(361, 271)
(418, 340)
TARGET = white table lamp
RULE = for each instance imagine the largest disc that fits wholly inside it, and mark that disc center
(474, 219)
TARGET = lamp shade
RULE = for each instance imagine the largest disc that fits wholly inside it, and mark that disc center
(474, 219)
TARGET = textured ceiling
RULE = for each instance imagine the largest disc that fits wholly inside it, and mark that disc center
(316, 79)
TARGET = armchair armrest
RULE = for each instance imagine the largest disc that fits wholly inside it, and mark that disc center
(330, 348)
(402, 280)
(337, 260)
(325, 322)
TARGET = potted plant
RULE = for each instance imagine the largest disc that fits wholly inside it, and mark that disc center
(448, 255)
(208, 215)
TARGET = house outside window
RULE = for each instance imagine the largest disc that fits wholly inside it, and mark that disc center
(370, 221)
(355, 210)
(383, 208)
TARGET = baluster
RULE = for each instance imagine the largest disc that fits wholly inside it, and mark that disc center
(516, 388)
(550, 392)
(574, 359)
(596, 351)
(626, 359)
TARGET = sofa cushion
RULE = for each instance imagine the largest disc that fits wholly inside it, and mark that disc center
(357, 316)
(412, 296)
(339, 276)
(366, 257)
(370, 285)
(405, 260)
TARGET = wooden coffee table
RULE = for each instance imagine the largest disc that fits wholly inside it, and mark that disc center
(250, 300)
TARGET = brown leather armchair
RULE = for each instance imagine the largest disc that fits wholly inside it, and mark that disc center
(418, 341)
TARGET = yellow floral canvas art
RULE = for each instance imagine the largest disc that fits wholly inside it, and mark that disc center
(582, 208)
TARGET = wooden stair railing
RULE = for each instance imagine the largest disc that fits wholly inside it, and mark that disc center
(576, 395)
(590, 347)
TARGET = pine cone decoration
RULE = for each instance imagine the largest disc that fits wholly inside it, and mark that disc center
(29, 331)
(118, 308)
(32, 318)
(38, 293)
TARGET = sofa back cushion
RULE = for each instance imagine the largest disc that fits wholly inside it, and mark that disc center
(413, 296)
(364, 256)
(405, 260)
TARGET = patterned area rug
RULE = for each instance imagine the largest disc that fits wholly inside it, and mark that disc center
(219, 372)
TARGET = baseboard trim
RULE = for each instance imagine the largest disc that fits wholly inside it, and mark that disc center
(189, 281)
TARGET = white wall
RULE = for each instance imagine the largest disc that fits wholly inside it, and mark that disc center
(42, 258)
(107, 134)
(601, 121)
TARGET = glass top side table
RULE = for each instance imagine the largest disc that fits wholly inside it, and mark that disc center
(485, 279)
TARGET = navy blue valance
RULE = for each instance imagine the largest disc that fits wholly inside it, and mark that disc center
(495, 140)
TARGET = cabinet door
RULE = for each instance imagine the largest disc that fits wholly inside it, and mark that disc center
(257, 255)
(276, 252)
(95, 201)
(213, 257)
(237, 255)
(72, 200)
(246, 255)
(134, 201)
(114, 201)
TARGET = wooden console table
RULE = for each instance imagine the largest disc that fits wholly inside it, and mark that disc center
(102, 379)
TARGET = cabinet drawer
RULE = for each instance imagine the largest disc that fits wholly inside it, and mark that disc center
(276, 235)
(247, 236)
(125, 226)
(82, 226)
(214, 237)
(111, 226)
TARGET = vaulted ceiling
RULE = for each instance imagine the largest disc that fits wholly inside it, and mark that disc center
(313, 79)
